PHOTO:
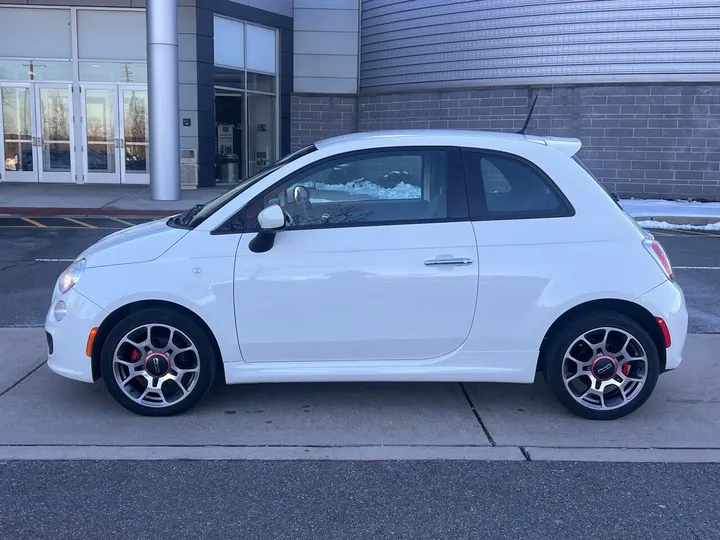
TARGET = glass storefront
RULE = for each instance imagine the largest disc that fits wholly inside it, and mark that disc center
(103, 77)
(245, 99)
(74, 94)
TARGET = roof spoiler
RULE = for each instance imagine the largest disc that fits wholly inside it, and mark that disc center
(566, 145)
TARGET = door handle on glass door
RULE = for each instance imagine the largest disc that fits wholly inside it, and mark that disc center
(455, 261)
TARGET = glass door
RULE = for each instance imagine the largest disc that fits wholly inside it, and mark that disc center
(101, 144)
(134, 142)
(17, 117)
(55, 149)
(260, 131)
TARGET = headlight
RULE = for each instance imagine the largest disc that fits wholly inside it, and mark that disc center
(71, 276)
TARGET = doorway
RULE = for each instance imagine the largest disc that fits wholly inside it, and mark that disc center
(115, 134)
(230, 154)
(37, 134)
(245, 133)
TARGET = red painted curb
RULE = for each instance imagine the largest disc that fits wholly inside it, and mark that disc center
(31, 211)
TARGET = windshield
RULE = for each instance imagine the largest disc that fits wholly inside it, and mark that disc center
(200, 213)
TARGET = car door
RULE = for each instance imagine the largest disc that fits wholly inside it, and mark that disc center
(377, 262)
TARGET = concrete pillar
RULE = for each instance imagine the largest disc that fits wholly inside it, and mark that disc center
(164, 99)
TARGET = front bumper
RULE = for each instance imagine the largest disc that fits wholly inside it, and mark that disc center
(668, 301)
(69, 336)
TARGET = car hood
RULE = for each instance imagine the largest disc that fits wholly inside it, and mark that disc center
(137, 244)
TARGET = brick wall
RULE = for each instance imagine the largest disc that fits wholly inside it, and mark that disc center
(639, 140)
(318, 117)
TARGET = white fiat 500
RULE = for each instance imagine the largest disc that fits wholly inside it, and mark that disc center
(389, 256)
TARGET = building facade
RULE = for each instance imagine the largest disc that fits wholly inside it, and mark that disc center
(637, 80)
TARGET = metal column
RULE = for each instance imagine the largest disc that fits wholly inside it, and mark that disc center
(164, 99)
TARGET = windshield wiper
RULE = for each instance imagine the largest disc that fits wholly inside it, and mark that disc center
(186, 217)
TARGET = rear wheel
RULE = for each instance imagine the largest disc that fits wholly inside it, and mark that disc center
(158, 362)
(602, 366)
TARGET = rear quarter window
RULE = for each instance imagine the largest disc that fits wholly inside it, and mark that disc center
(505, 187)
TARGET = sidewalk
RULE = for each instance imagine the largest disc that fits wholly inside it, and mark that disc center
(94, 200)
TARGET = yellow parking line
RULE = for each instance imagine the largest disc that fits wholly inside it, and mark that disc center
(73, 220)
(122, 221)
(33, 222)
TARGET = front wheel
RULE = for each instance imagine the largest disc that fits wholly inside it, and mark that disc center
(602, 366)
(158, 362)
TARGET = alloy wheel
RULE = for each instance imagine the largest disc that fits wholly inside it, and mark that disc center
(156, 365)
(605, 368)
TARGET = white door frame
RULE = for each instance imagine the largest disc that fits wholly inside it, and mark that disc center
(52, 176)
(92, 177)
(20, 176)
(132, 177)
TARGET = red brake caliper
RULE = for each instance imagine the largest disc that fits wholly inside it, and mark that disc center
(134, 357)
(626, 368)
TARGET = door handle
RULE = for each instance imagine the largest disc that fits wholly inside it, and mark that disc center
(456, 261)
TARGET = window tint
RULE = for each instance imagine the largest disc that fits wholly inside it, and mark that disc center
(501, 186)
(367, 187)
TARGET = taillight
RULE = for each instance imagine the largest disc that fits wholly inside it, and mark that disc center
(665, 332)
(658, 253)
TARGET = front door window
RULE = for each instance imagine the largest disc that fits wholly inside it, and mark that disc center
(365, 188)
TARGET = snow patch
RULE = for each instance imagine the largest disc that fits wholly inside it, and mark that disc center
(651, 224)
(654, 207)
(365, 187)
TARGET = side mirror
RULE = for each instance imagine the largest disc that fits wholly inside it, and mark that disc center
(272, 219)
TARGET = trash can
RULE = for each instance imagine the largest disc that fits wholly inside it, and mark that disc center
(230, 169)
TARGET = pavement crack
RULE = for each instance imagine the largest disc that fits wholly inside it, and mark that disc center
(121, 198)
(22, 379)
(19, 264)
(477, 414)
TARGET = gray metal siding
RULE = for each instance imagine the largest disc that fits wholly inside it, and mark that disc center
(410, 44)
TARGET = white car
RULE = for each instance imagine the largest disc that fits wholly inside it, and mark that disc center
(389, 256)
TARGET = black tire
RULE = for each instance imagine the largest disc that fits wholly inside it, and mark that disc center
(563, 339)
(207, 359)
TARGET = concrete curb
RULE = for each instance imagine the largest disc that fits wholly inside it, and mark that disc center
(85, 212)
(271, 453)
(627, 455)
(357, 453)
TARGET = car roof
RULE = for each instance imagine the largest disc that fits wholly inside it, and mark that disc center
(568, 146)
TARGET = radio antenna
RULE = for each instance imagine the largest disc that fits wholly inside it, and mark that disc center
(529, 114)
